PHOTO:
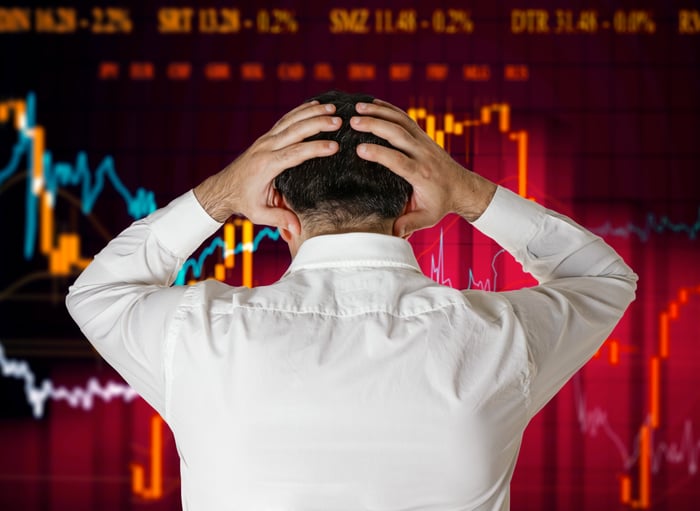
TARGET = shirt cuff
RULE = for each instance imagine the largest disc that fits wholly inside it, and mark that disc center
(510, 220)
(183, 225)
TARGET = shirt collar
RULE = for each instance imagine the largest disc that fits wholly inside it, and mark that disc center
(354, 249)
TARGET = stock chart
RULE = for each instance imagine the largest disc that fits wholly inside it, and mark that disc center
(110, 110)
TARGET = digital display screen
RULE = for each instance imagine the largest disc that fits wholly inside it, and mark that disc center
(111, 110)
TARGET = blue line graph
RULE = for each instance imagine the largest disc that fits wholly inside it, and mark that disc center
(196, 265)
(142, 202)
(652, 225)
(61, 174)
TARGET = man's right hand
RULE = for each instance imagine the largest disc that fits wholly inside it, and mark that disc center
(245, 185)
(440, 184)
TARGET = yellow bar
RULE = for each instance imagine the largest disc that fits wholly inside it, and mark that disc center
(449, 123)
(229, 244)
(458, 128)
(430, 126)
(4, 112)
(504, 121)
(440, 138)
(220, 272)
(421, 113)
(412, 113)
(247, 253)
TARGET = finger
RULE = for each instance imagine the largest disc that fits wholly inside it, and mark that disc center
(295, 154)
(381, 102)
(387, 112)
(305, 111)
(393, 133)
(303, 129)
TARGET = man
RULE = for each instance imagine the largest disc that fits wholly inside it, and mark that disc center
(354, 382)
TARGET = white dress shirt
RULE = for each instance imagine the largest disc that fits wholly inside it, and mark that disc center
(354, 382)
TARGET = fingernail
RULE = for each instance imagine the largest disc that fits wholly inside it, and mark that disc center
(356, 120)
(335, 120)
(332, 145)
(330, 107)
(362, 148)
(360, 106)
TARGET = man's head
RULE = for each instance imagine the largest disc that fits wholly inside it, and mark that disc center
(344, 192)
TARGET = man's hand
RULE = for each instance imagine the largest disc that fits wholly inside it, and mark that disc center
(245, 185)
(440, 184)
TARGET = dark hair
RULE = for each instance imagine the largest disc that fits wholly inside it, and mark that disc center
(344, 189)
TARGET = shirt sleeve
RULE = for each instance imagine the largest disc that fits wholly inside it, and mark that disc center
(584, 288)
(123, 301)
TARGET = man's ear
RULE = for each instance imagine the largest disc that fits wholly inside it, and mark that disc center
(293, 228)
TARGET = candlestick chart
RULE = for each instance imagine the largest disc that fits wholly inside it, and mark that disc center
(108, 113)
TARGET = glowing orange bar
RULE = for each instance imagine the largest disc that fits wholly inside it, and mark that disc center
(56, 262)
(683, 296)
(229, 244)
(614, 354)
(625, 489)
(47, 228)
(38, 157)
(247, 253)
(486, 114)
(413, 113)
(644, 466)
(220, 272)
(61, 258)
(20, 109)
(4, 112)
(654, 391)
(138, 484)
(663, 334)
(504, 120)
(458, 128)
(421, 113)
(137, 479)
(673, 310)
(521, 138)
(72, 241)
(156, 457)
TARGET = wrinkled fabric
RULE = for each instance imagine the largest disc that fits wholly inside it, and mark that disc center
(354, 382)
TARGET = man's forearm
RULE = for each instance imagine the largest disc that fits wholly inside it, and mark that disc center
(216, 197)
(476, 194)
